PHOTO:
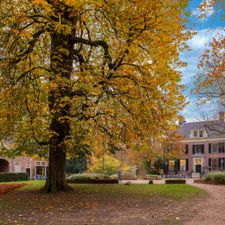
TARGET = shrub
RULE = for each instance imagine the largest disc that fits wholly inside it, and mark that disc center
(153, 177)
(92, 178)
(88, 176)
(8, 177)
(217, 177)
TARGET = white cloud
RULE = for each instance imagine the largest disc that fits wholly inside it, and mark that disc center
(207, 14)
(197, 45)
(199, 41)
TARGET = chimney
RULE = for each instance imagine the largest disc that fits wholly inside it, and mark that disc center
(221, 116)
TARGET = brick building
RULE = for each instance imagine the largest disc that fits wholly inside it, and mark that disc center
(204, 147)
(37, 169)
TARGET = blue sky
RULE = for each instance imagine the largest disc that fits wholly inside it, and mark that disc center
(206, 29)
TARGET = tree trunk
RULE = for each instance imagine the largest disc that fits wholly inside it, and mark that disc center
(59, 92)
(56, 180)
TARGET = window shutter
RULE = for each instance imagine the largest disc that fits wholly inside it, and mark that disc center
(221, 147)
(193, 149)
(178, 165)
(210, 161)
(210, 146)
(187, 166)
(186, 149)
(223, 162)
(219, 159)
(202, 149)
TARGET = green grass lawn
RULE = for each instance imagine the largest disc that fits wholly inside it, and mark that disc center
(173, 191)
(94, 203)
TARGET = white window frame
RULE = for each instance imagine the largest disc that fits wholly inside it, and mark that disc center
(197, 132)
(17, 167)
(215, 148)
(183, 165)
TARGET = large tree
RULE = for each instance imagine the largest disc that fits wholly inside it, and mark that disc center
(103, 70)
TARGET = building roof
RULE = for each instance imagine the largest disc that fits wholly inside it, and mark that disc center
(214, 129)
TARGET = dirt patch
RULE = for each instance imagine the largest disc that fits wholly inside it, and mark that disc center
(211, 210)
(5, 188)
(92, 208)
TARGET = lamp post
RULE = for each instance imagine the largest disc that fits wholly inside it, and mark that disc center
(103, 165)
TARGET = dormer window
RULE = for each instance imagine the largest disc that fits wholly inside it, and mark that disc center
(195, 133)
(201, 133)
(198, 133)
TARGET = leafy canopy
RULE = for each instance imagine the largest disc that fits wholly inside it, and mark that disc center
(123, 87)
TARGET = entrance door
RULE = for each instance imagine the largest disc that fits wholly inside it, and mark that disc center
(198, 168)
(28, 172)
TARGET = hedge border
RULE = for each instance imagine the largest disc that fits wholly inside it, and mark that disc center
(9, 177)
(175, 181)
(93, 181)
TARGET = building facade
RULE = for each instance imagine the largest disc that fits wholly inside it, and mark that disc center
(37, 169)
(203, 148)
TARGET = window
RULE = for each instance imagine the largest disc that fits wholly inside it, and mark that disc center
(198, 149)
(215, 164)
(182, 165)
(215, 148)
(17, 167)
(28, 164)
(186, 149)
(171, 165)
(201, 133)
(40, 170)
(38, 163)
(221, 147)
(198, 161)
(195, 133)
(198, 133)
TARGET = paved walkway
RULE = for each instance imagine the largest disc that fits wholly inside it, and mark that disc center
(210, 211)
(161, 181)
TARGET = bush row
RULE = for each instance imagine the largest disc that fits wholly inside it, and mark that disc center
(217, 178)
(91, 176)
(7, 177)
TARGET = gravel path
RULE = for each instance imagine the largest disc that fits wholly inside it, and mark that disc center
(210, 211)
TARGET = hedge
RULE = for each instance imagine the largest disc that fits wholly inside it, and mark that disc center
(92, 181)
(175, 181)
(8, 177)
(92, 178)
(216, 178)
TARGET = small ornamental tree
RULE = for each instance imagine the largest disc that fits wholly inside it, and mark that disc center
(106, 165)
(102, 68)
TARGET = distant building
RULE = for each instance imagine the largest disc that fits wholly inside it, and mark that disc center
(204, 147)
(37, 169)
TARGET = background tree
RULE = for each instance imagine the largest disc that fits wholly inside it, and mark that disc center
(154, 152)
(210, 82)
(106, 68)
(107, 164)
